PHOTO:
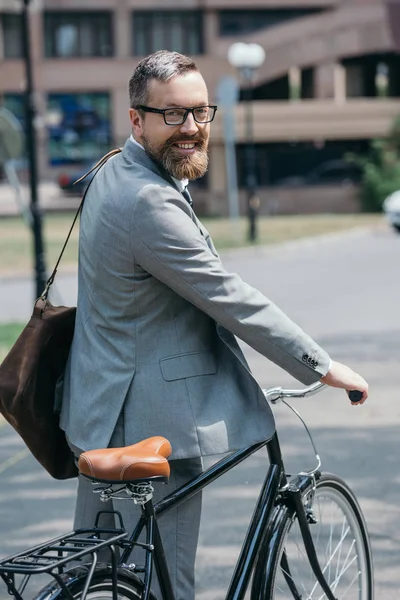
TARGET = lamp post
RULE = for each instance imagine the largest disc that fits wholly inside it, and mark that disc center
(40, 270)
(247, 58)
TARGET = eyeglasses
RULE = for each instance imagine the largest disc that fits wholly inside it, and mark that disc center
(177, 116)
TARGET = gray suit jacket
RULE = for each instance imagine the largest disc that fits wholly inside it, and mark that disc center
(156, 322)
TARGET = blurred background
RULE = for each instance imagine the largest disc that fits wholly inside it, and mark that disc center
(307, 123)
(305, 144)
(328, 86)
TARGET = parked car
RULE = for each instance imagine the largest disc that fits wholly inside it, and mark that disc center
(66, 181)
(331, 172)
(335, 172)
(391, 208)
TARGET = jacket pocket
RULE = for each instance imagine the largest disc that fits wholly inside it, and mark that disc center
(188, 365)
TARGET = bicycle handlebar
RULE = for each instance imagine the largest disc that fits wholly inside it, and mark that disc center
(355, 396)
(277, 393)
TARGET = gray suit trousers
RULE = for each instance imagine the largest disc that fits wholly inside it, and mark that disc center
(179, 527)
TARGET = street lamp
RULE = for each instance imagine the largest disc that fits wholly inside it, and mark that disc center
(40, 270)
(247, 58)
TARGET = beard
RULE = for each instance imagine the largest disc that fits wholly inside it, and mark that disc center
(180, 166)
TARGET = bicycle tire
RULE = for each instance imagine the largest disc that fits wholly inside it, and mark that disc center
(129, 586)
(341, 542)
(102, 590)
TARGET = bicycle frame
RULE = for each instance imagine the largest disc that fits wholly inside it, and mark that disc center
(251, 545)
(274, 489)
(276, 495)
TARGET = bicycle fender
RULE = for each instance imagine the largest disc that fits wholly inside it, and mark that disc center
(74, 576)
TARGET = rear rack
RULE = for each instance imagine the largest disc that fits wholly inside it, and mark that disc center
(54, 554)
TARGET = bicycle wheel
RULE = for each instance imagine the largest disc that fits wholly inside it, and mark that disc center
(129, 586)
(342, 545)
(102, 590)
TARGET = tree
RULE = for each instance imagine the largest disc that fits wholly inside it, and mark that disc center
(380, 169)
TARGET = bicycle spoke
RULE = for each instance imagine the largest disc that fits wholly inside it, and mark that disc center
(343, 571)
(329, 562)
(340, 548)
(294, 581)
(340, 551)
(345, 592)
(302, 557)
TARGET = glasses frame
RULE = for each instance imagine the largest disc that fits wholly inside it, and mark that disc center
(162, 111)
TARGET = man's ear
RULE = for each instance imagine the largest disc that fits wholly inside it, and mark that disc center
(136, 121)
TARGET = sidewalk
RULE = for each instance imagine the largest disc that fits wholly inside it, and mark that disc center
(18, 295)
(50, 197)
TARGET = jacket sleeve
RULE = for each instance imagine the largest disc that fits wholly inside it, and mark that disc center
(168, 244)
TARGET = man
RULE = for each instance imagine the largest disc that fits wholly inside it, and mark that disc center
(154, 351)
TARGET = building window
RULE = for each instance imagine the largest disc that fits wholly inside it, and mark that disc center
(237, 22)
(179, 31)
(14, 102)
(70, 34)
(373, 75)
(278, 89)
(79, 127)
(12, 35)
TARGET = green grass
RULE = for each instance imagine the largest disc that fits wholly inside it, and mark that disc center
(16, 245)
(8, 335)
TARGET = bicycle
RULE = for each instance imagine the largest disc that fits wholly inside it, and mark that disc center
(307, 538)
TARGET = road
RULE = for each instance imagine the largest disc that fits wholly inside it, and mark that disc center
(342, 289)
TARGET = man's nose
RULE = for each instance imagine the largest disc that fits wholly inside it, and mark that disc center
(190, 125)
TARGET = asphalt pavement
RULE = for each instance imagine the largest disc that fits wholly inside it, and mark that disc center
(344, 290)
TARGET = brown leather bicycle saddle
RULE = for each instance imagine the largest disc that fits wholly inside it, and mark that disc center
(144, 460)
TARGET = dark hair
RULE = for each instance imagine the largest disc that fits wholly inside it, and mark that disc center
(161, 65)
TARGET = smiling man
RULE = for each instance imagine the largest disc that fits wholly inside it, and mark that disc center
(154, 350)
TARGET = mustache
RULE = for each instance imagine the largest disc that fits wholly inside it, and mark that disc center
(187, 138)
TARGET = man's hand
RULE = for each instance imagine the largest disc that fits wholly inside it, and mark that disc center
(340, 376)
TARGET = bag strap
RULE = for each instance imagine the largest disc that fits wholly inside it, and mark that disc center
(96, 168)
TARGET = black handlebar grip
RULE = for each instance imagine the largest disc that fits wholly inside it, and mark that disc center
(355, 396)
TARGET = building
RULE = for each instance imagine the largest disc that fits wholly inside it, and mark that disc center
(329, 84)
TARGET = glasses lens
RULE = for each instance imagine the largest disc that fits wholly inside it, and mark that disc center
(204, 114)
(175, 116)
